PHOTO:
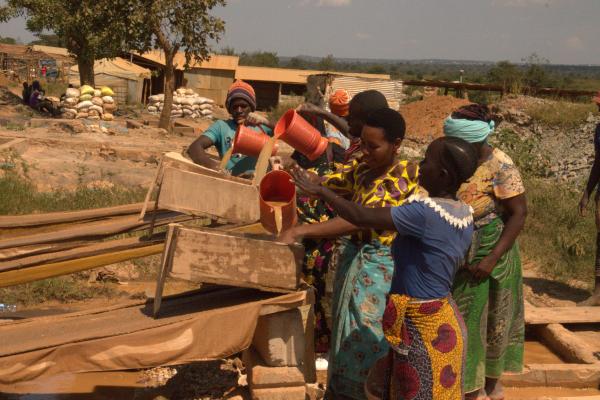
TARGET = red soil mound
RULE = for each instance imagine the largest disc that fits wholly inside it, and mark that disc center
(425, 118)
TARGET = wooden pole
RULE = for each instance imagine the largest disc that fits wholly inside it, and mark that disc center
(17, 277)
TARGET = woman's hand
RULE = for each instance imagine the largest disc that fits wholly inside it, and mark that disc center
(484, 268)
(307, 182)
(289, 237)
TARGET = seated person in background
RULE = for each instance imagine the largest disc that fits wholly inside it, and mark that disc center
(36, 94)
(240, 103)
(26, 93)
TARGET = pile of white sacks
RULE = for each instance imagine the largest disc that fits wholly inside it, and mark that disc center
(186, 103)
(89, 103)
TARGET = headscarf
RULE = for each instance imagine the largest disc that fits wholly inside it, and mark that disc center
(471, 131)
(241, 90)
(472, 123)
(339, 103)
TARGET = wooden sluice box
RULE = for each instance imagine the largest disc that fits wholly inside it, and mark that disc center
(214, 256)
(195, 190)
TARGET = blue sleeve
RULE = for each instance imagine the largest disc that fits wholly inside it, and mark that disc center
(409, 219)
(267, 130)
(215, 133)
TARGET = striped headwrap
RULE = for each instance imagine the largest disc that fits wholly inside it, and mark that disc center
(241, 90)
(339, 103)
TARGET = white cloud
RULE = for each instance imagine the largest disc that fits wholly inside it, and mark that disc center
(574, 43)
(362, 35)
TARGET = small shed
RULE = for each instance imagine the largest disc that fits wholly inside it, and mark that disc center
(321, 86)
(213, 77)
(123, 77)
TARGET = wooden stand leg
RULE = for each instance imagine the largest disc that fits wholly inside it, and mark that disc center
(165, 267)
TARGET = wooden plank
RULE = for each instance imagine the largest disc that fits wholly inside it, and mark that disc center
(229, 258)
(561, 315)
(217, 196)
(18, 221)
(81, 251)
(567, 344)
(93, 230)
(17, 277)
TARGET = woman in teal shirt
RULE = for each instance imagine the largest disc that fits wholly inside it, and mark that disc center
(240, 102)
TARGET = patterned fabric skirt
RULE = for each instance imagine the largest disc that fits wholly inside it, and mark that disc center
(427, 347)
(362, 281)
(493, 311)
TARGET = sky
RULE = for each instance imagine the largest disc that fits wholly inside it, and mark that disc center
(562, 31)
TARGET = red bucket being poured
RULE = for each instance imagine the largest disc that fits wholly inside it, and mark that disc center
(277, 202)
(249, 142)
(302, 136)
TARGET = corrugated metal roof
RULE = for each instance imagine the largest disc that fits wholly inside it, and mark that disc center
(265, 74)
(392, 90)
(295, 76)
(118, 67)
(228, 63)
(59, 51)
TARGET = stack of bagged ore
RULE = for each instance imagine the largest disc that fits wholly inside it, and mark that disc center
(186, 103)
(89, 103)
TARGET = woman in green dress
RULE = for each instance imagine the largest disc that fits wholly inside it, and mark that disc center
(489, 290)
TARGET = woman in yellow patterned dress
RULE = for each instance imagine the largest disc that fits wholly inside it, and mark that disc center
(365, 268)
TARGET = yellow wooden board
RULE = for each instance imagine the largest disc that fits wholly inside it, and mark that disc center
(17, 277)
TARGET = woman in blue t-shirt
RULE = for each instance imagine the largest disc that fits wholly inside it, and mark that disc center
(241, 103)
(421, 322)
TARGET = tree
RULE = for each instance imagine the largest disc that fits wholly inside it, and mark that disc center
(260, 59)
(174, 25)
(535, 72)
(48, 40)
(297, 63)
(327, 63)
(227, 51)
(90, 30)
(7, 40)
(506, 74)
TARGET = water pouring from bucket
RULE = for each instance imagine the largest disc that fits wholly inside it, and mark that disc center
(301, 135)
(277, 202)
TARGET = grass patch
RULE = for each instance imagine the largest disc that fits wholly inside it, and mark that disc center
(64, 289)
(556, 238)
(19, 196)
(561, 114)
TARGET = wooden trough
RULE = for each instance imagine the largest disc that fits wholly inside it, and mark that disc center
(581, 367)
(228, 258)
(195, 190)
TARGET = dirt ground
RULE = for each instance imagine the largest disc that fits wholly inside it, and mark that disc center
(425, 118)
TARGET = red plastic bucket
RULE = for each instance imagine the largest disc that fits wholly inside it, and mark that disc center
(249, 142)
(277, 202)
(302, 136)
